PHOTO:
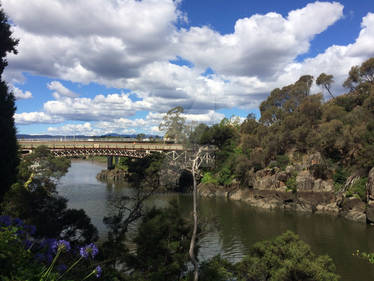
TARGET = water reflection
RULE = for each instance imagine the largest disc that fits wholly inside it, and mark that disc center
(234, 226)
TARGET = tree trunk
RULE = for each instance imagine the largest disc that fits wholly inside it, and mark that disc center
(194, 232)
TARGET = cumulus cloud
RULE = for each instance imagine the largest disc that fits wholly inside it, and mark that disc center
(98, 108)
(60, 90)
(261, 45)
(337, 60)
(74, 129)
(130, 44)
(21, 95)
(91, 40)
(36, 117)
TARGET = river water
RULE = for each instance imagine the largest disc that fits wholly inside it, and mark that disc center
(233, 226)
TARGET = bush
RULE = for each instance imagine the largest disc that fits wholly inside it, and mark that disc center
(358, 189)
(209, 178)
(340, 176)
(285, 258)
(291, 184)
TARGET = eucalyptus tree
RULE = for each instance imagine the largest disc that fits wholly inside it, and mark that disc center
(173, 124)
(325, 81)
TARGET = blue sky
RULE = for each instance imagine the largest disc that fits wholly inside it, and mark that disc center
(103, 66)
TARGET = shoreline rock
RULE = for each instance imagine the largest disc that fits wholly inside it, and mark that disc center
(112, 175)
(321, 202)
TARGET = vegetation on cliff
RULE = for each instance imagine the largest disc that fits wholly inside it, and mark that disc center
(294, 123)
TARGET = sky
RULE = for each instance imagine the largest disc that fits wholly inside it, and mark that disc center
(95, 67)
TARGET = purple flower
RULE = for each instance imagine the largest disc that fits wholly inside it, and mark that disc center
(90, 249)
(5, 220)
(63, 245)
(31, 229)
(17, 221)
(98, 271)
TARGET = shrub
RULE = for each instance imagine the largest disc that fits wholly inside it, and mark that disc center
(358, 189)
(209, 178)
(291, 184)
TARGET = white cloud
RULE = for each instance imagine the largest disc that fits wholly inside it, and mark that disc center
(261, 45)
(74, 129)
(336, 60)
(21, 95)
(128, 44)
(60, 90)
(97, 40)
(148, 125)
(99, 108)
(35, 117)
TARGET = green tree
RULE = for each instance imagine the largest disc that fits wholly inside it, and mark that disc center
(140, 137)
(359, 74)
(173, 124)
(285, 100)
(35, 200)
(353, 78)
(325, 81)
(286, 258)
(9, 158)
(198, 132)
(162, 241)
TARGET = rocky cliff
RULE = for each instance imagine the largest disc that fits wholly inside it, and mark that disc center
(306, 186)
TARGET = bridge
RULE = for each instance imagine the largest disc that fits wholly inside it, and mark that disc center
(178, 154)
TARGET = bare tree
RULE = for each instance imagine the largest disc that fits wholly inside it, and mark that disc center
(195, 167)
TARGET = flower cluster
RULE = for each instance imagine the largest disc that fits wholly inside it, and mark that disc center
(6, 221)
(61, 245)
(98, 271)
(48, 251)
(88, 250)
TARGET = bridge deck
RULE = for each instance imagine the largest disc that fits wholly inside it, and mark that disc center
(56, 145)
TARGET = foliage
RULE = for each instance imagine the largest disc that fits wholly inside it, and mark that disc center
(217, 269)
(209, 178)
(280, 162)
(325, 81)
(196, 135)
(145, 170)
(339, 177)
(358, 189)
(173, 124)
(163, 241)
(285, 258)
(291, 184)
(34, 199)
(9, 158)
(295, 121)
(23, 257)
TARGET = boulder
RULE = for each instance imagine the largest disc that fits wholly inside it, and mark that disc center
(370, 213)
(354, 209)
(323, 185)
(370, 184)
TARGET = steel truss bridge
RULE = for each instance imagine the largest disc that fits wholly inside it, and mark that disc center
(177, 154)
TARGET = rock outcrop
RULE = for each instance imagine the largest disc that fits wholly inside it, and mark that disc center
(112, 175)
(310, 189)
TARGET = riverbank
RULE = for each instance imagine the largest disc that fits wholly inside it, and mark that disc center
(312, 202)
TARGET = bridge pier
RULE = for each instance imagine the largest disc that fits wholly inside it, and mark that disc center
(116, 160)
(110, 165)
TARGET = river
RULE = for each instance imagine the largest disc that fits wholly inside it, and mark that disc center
(234, 226)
